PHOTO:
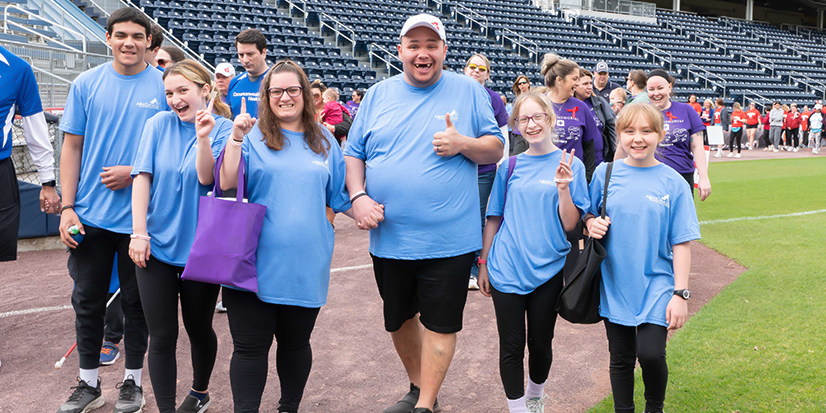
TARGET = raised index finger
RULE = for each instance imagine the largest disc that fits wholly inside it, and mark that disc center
(243, 105)
(212, 103)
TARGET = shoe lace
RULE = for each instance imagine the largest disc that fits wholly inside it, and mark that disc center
(127, 390)
(81, 389)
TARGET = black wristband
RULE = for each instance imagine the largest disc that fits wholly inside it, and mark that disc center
(358, 196)
(65, 207)
(51, 183)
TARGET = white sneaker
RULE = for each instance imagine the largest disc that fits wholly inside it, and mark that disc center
(814, 150)
(718, 154)
(775, 150)
(795, 149)
(737, 155)
(536, 404)
(730, 155)
(472, 284)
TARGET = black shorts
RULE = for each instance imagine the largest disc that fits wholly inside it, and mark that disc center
(9, 211)
(751, 126)
(436, 288)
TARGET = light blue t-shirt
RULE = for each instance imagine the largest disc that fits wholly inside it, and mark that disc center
(109, 110)
(530, 247)
(651, 210)
(296, 243)
(19, 91)
(431, 203)
(167, 151)
(242, 87)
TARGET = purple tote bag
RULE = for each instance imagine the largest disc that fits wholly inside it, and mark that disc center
(226, 238)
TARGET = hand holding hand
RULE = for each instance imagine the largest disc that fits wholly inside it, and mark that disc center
(676, 313)
(598, 227)
(564, 172)
(68, 219)
(205, 121)
(449, 142)
(116, 177)
(367, 213)
(49, 200)
(483, 280)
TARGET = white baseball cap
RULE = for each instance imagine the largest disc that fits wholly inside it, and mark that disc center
(225, 69)
(424, 20)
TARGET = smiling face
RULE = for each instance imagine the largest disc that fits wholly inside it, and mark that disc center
(659, 91)
(287, 109)
(318, 100)
(129, 41)
(584, 88)
(478, 69)
(422, 53)
(184, 97)
(567, 85)
(253, 60)
(537, 133)
(639, 140)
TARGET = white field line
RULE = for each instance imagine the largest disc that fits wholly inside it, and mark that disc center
(796, 214)
(68, 307)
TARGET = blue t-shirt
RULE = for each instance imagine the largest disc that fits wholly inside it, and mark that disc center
(598, 143)
(651, 210)
(574, 125)
(431, 203)
(530, 247)
(242, 87)
(109, 110)
(681, 122)
(167, 152)
(20, 90)
(296, 246)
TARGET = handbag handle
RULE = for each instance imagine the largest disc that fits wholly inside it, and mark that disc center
(241, 189)
(605, 189)
(511, 167)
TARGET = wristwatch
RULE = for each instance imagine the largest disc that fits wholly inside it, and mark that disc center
(684, 294)
(51, 183)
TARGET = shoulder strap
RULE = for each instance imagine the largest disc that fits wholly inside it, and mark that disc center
(605, 189)
(511, 167)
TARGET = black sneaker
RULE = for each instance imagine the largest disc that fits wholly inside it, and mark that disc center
(84, 399)
(191, 404)
(408, 403)
(422, 410)
(130, 397)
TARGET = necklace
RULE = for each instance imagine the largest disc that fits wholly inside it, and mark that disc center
(558, 106)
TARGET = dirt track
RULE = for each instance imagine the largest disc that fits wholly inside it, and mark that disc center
(355, 367)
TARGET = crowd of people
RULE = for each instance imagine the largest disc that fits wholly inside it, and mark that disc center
(473, 193)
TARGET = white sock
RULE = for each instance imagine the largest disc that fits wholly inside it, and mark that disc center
(136, 375)
(518, 405)
(90, 376)
(534, 390)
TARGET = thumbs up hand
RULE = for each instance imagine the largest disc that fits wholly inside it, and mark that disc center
(243, 122)
(450, 142)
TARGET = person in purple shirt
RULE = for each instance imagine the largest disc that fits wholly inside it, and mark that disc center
(682, 147)
(478, 67)
(604, 117)
(575, 127)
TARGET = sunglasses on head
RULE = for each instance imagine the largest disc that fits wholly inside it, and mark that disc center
(473, 66)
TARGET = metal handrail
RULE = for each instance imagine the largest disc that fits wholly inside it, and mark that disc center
(51, 75)
(292, 5)
(707, 75)
(167, 34)
(35, 32)
(463, 11)
(749, 92)
(386, 60)
(656, 52)
(811, 84)
(669, 24)
(522, 42)
(63, 13)
(338, 32)
(607, 29)
(756, 59)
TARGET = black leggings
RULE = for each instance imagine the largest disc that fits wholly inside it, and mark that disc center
(734, 138)
(159, 285)
(252, 324)
(510, 320)
(645, 343)
(793, 137)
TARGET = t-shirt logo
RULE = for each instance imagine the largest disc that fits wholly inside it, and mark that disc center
(453, 116)
(670, 117)
(560, 122)
(664, 200)
(153, 104)
(573, 111)
(574, 132)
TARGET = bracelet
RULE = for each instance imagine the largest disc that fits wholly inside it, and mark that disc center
(65, 207)
(143, 237)
(235, 143)
(238, 140)
(358, 195)
(559, 181)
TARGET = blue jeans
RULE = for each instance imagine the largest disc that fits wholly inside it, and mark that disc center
(485, 185)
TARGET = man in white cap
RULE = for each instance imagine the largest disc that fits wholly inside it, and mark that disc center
(416, 143)
(224, 72)
(602, 85)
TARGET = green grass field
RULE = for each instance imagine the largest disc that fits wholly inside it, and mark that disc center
(760, 345)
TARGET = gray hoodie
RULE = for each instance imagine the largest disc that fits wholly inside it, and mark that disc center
(776, 117)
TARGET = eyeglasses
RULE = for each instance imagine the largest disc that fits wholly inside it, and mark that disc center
(537, 118)
(524, 82)
(475, 66)
(277, 92)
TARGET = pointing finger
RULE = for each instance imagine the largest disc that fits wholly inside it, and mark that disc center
(243, 105)
(212, 103)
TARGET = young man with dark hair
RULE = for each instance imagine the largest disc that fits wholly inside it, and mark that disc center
(152, 50)
(102, 124)
(251, 45)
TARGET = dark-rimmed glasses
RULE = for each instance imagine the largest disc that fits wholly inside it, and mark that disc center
(537, 118)
(277, 92)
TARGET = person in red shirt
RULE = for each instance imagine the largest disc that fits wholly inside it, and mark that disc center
(766, 127)
(804, 126)
(738, 117)
(785, 137)
(692, 100)
(752, 119)
(793, 129)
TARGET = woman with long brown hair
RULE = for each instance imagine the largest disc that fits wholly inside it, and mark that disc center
(296, 169)
(518, 144)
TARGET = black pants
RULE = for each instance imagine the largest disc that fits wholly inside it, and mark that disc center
(90, 266)
(793, 138)
(645, 343)
(9, 211)
(734, 138)
(804, 138)
(113, 329)
(160, 286)
(573, 237)
(252, 324)
(511, 311)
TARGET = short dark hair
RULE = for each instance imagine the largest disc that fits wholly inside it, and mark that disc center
(359, 92)
(174, 53)
(252, 36)
(157, 37)
(128, 14)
